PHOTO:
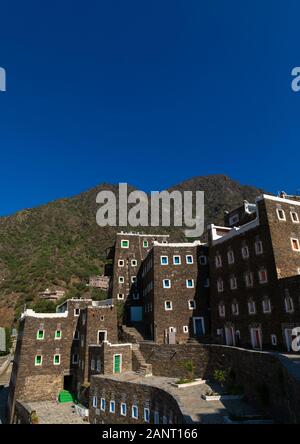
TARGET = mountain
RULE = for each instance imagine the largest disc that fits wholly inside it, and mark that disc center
(60, 245)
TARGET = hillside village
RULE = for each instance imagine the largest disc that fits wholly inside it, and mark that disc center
(190, 332)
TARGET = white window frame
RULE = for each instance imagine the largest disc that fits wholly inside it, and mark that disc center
(263, 281)
(233, 283)
(269, 310)
(278, 210)
(59, 360)
(187, 257)
(133, 262)
(297, 242)
(75, 312)
(105, 336)
(249, 279)
(274, 339)
(95, 402)
(245, 252)
(218, 261)
(171, 306)
(192, 304)
(176, 256)
(120, 296)
(220, 285)
(75, 361)
(295, 221)
(185, 329)
(259, 250)
(161, 260)
(98, 365)
(121, 279)
(93, 364)
(55, 337)
(146, 416)
(192, 283)
(102, 408)
(253, 305)
(222, 310)
(112, 402)
(165, 280)
(206, 283)
(133, 279)
(135, 406)
(124, 240)
(121, 263)
(41, 363)
(145, 244)
(235, 309)
(123, 404)
(287, 309)
(230, 257)
(203, 260)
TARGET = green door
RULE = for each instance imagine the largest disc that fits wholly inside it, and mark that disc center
(117, 364)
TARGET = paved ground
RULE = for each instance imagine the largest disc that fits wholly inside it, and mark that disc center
(194, 408)
(52, 412)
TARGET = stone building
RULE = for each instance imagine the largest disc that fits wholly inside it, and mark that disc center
(249, 268)
(128, 252)
(101, 282)
(52, 295)
(174, 285)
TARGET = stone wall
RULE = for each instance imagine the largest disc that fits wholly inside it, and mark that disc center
(142, 396)
(268, 379)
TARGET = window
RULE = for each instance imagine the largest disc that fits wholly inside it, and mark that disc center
(124, 243)
(76, 311)
(263, 276)
(156, 417)
(57, 334)
(230, 256)
(145, 244)
(206, 283)
(235, 308)
(192, 304)
(266, 305)
(123, 409)
(168, 305)
(274, 339)
(164, 260)
(295, 217)
(218, 261)
(135, 412)
(203, 260)
(222, 310)
(93, 364)
(295, 244)
(76, 335)
(185, 329)
(251, 307)
(233, 283)
(98, 366)
(112, 406)
(189, 259)
(121, 263)
(190, 283)
(280, 214)
(133, 279)
(289, 304)
(220, 285)
(75, 358)
(103, 404)
(166, 283)
(146, 414)
(95, 401)
(136, 296)
(133, 262)
(121, 279)
(56, 359)
(249, 279)
(120, 296)
(38, 360)
(40, 334)
(258, 247)
(234, 219)
(176, 260)
(245, 252)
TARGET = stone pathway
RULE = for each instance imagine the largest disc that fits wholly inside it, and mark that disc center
(52, 412)
(194, 408)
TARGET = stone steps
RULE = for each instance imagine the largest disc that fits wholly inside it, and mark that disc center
(143, 368)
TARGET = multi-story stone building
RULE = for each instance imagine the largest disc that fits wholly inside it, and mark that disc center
(173, 281)
(249, 267)
(101, 282)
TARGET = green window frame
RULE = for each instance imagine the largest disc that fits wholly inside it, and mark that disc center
(56, 359)
(57, 334)
(38, 360)
(125, 243)
(145, 244)
(40, 335)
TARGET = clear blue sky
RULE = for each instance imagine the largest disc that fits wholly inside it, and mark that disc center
(146, 92)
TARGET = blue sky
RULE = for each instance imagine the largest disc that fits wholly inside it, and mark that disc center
(150, 93)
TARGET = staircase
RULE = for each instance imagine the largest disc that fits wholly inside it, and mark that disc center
(139, 364)
(131, 334)
(65, 396)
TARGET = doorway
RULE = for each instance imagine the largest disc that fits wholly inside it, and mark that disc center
(198, 324)
(102, 336)
(256, 338)
(117, 363)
